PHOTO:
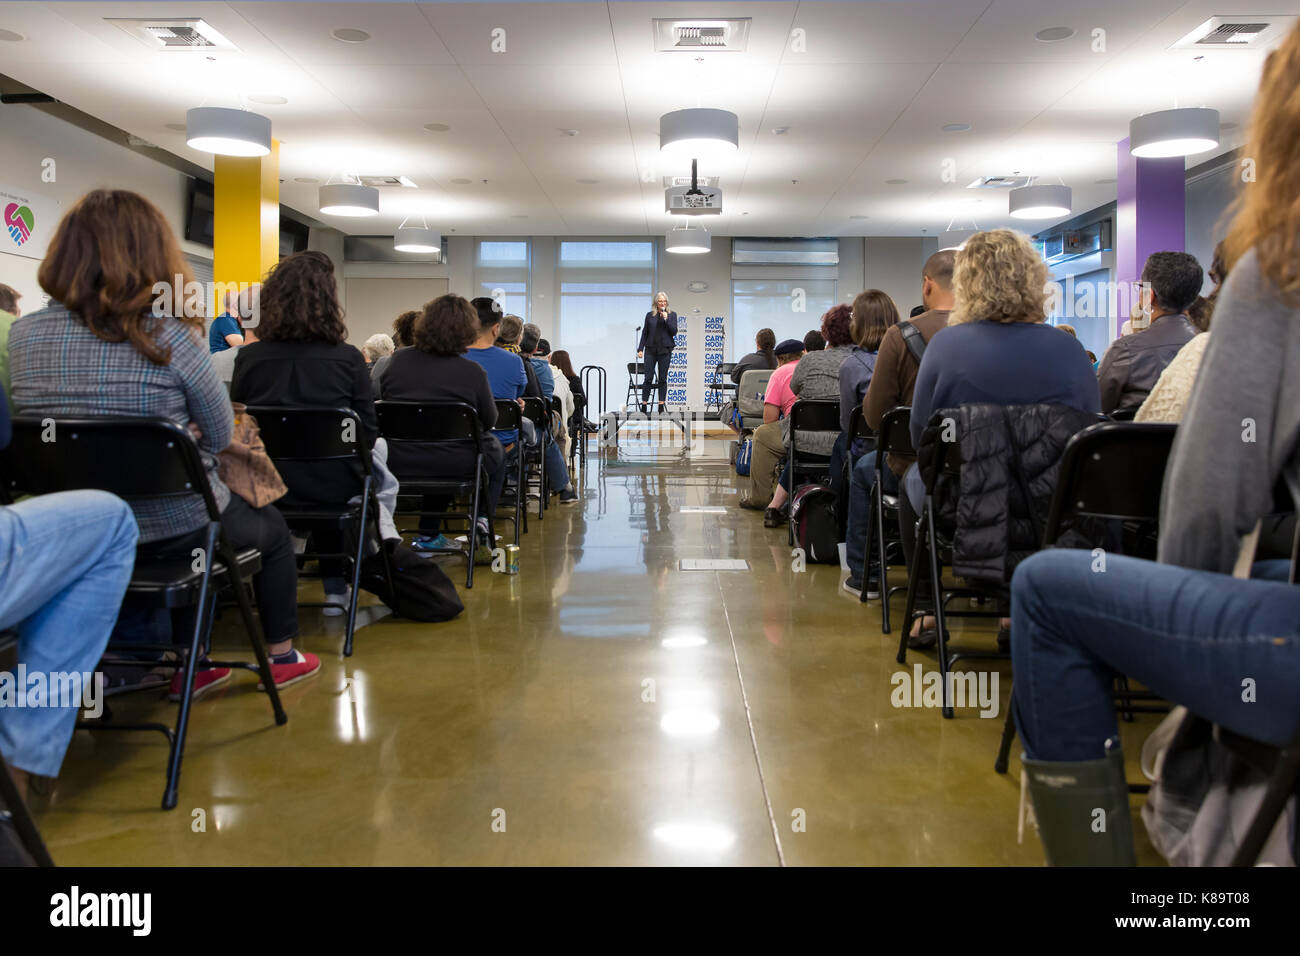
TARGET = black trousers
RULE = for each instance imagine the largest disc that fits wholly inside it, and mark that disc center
(656, 372)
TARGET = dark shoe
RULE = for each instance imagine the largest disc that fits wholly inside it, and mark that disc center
(926, 638)
(773, 518)
(1004, 640)
(568, 497)
(1067, 797)
(853, 586)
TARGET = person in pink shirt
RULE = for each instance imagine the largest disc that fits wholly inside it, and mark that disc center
(769, 438)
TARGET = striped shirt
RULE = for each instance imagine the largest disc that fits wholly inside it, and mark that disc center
(62, 369)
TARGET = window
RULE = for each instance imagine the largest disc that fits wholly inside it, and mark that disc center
(605, 288)
(780, 284)
(501, 272)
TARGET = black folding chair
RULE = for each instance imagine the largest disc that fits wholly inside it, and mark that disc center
(722, 387)
(1124, 414)
(929, 555)
(894, 437)
(859, 430)
(443, 424)
(510, 418)
(809, 416)
(535, 411)
(137, 458)
(326, 438)
(29, 837)
(635, 379)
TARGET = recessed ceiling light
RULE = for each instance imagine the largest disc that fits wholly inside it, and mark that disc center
(176, 127)
(349, 35)
(780, 131)
(309, 180)
(588, 182)
(895, 182)
(1106, 182)
(10, 36)
(1054, 34)
(570, 132)
(436, 127)
(269, 99)
(462, 182)
(956, 127)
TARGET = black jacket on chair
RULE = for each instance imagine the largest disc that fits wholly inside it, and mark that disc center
(1006, 452)
(658, 335)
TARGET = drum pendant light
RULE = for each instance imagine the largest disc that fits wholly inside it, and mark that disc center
(687, 239)
(354, 199)
(1039, 202)
(227, 132)
(417, 239)
(705, 134)
(1180, 132)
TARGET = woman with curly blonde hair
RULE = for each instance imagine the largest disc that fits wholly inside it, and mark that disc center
(996, 350)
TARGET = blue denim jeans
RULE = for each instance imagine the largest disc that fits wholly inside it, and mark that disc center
(1195, 637)
(861, 479)
(65, 562)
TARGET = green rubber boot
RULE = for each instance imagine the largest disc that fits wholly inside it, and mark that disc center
(1082, 810)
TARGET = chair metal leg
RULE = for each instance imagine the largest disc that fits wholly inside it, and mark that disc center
(356, 568)
(1281, 785)
(884, 558)
(473, 523)
(869, 552)
(23, 823)
(913, 579)
(1008, 735)
(936, 589)
(255, 637)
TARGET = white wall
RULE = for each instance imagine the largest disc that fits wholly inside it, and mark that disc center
(82, 162)
(893, 265)
(1209, 198)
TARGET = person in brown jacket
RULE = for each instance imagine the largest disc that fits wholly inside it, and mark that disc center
(891, 385)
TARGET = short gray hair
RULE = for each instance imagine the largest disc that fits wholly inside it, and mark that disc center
(377, 346)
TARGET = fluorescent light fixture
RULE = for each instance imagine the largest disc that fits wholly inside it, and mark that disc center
(1180, 132)
(349, 199)
(227, 132)
(704, 134)
(691, 239)
(1039, 202)
(417, 239)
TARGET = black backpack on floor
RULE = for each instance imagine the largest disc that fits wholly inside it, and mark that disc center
(424, 592)
(816, 530)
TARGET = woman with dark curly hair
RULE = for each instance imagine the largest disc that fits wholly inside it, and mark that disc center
(301, 358)
(436, 370)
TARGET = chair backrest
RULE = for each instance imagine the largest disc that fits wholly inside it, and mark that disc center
(753, 388)
(635, 368)
(722, 372)
(809, 415)
(425, 422)
(535, 410)
(509, 415)
(132, 458)
(295, 433)
(895, 433)
(1111, 470)
(1124, 414)
(858, 427)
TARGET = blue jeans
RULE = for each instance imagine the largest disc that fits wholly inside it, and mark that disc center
(1194, 637)
(65, 562)
(861, 480)
(557, 472)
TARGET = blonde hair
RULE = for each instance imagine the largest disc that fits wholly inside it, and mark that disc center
(998, 276)
(1268, 210)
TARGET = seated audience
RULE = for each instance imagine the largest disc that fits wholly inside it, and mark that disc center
(813, 341)
(763, 355)
(99, 351)
(301, 357)
(560, 360)
(9, 313)
(223, 362)
(65, 562)
(892, 380)
(996, 350)
(436, 369)
(402, 327)
(1184, 627)
(376, 347)
(508, 335)
(769, 440)
(1132, 364)
(817, 379)
(557, 472)
(873, 314)
(226, 331)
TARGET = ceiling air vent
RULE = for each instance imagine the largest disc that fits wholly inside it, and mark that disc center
(171, 35)
(1236, 33)
(693, 36)
(383, 181)
(1001, 182)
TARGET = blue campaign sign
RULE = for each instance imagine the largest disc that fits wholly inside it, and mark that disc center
(677, 396)
(714, 323)
(677, 376)
(713, 342)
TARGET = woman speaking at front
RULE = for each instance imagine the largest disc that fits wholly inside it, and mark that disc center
(658, 336)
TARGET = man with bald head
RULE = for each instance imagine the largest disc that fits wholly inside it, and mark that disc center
(891, 385)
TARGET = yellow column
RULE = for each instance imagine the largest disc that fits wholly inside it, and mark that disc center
(246, 223)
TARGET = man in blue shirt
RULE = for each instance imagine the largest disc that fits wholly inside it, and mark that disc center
(226, 332)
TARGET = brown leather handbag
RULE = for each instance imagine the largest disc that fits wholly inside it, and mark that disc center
(245, 467)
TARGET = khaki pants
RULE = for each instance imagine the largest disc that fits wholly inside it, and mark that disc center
(765, 465)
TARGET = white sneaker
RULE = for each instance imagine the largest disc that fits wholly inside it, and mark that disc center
(338, 603)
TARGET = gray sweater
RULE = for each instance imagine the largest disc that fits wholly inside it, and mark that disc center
(1241, 431)
(817, 378)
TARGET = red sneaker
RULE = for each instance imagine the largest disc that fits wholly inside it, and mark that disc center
(204, 681)
(285, 675)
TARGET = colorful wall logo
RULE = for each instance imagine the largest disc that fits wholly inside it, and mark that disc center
(20, 221)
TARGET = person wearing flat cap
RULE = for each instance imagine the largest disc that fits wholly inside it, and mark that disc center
(769, 438)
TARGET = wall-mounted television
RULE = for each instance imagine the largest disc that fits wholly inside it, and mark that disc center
(200, 220)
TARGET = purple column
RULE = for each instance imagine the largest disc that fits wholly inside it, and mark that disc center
(1150, 212)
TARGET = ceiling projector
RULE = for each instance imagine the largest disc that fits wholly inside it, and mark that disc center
(693, 200)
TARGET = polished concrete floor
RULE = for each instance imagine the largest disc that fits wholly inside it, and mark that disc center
(601, 707)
